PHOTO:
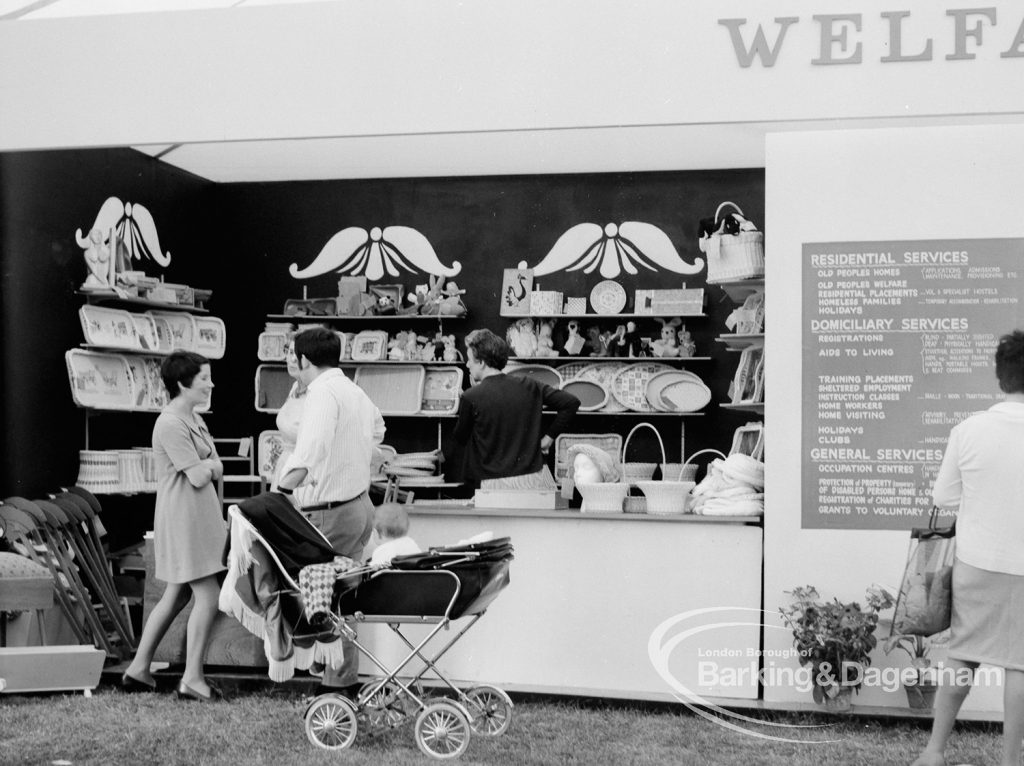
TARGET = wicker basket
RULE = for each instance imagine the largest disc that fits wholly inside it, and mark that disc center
(733, 256)
(603, 497)
(688, 471)
(634, 504)
(666, 497)
(637, 472)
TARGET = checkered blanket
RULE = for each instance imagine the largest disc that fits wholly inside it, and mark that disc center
(316, 584)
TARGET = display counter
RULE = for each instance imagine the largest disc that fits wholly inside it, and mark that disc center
(587, 591)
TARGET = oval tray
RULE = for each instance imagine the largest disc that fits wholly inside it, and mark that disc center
(658, 381)
(629, 385)
(542, 373)
(592, 395)
(99, 381)
(182, 329)
(685, 396)
(602, 373)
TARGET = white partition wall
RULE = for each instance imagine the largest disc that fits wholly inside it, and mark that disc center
(860, 186)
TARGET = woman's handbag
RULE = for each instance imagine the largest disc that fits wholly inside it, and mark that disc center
(924, 604)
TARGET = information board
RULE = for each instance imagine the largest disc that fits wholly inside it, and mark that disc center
(898, 342)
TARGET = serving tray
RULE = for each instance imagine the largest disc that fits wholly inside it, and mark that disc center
(602, 373)
(211, 337)
(542, 373)
(109, 328)
(368, 346)
(592, 395)
(145, 327)
(149, 392)
(180, 330)
(270, 446)
(658, 382)
(442, 389)
(685, 396)
(629, 385)
(272, 386)
(395, 389)
(99, 380)
(272, 345)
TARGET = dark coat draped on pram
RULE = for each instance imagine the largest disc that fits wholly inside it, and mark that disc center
(269, 543)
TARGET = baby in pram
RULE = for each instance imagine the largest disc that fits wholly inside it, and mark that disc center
(391, 533)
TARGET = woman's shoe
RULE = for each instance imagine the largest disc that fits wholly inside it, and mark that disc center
(186, 692)
(131, 684)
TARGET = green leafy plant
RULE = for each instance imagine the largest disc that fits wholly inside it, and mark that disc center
(833, 637)
(917, 648)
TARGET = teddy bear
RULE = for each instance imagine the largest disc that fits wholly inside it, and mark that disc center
(451, 353)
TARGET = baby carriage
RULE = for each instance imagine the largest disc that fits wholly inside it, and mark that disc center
(432, 588)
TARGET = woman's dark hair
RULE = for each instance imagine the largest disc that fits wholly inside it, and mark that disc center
(320, 346)
(1010, 362)
(179, 368)
(488, 348)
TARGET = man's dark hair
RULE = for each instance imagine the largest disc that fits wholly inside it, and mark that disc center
(319, 345)
(179, 368)
(1010, 362)
(488, 348)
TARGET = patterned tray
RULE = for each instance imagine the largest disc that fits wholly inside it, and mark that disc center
(110, 328)
(395, 389)
(685, 396)
(149, 390)
(659, 381)
(442, 389)
(145, 326)
(271, 346)
(270, 446)
(99, 381)
(211, 337)
(570, 370)
(602, 373)
(629, 385)
(368, 346)
(176, 331)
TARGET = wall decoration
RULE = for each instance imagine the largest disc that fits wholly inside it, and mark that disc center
(374, 253)
(614, 249)
(515, 292)
(134, 227)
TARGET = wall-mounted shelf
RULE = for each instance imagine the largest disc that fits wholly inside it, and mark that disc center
(366, 318)
(632, 413)
(738, 342)
(114, 298)
(608, 316)
(119, 350)
(757, 407)
(629, 359)
(741, 288)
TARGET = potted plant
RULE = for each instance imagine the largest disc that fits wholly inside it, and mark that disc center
(921, 680)
(834, 639)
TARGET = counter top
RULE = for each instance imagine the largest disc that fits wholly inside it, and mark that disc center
(457, 509)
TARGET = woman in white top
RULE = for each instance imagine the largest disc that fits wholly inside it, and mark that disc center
(982, 475)
(290, 414)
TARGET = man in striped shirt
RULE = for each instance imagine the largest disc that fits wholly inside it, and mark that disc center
(329, 471)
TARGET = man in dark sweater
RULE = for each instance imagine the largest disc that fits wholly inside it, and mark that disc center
(500, 419)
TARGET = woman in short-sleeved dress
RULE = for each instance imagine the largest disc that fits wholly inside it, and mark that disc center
(188, 530)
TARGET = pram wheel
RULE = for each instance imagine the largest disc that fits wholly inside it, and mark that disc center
(331, 722)
(490, 710)
(442, 730)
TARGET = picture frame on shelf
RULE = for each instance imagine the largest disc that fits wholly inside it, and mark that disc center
(516, 286)
(744, 384)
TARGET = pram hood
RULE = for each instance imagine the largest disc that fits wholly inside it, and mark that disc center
(293, 539)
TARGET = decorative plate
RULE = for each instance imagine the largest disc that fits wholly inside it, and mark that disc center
(442, 389)
(660, 380)
(685, 395)
(369, 346)
(270, 446)
(602, 373)
(272, 386)
(539, 372)
(182, 329)
(629, 385)
(99, 381)
(145, 326)
(148, 387)
(593, 396)
(110, 328)
(211, 337)
(395, 389)
(608, 297)
(271, 346)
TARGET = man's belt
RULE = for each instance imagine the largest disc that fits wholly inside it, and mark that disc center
(331, 505)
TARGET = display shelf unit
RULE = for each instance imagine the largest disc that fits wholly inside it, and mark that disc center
(609, 316)
(631, 414)
(739, 289)
(387, 318)
(556, 360)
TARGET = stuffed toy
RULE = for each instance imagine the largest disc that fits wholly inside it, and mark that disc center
(574, 343)
(545, 341)
(451, 353)
(687, 347)
(384, 306)
(522, 337)
(396, 347)
(668, 343)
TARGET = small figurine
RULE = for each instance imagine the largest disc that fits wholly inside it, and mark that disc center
(632, 339)
(397, 346)
(597, 342)
(617, 344)
(545, 341)
(667, 345)
(412, 345)
(687, 347)
(384, 306)
(97, 260)
(574, 343)
(451, 353)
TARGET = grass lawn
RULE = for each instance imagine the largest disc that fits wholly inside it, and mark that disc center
(267, 728)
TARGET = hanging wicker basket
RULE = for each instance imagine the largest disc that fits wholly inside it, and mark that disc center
(688, 470)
